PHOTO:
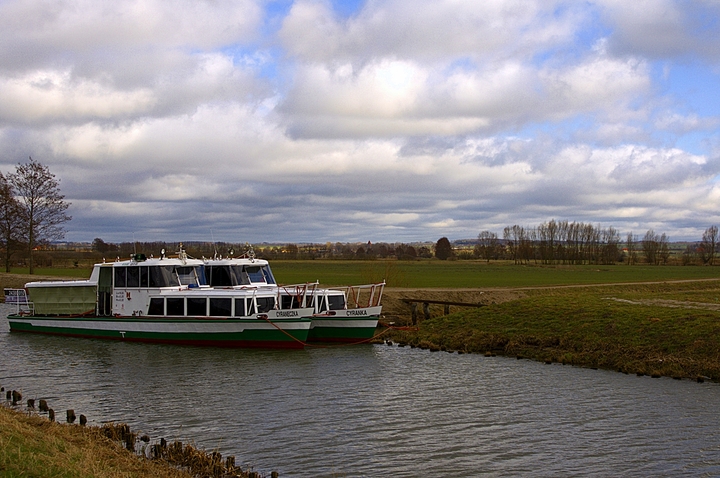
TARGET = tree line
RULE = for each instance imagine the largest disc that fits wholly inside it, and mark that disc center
(32, 211)
(565, 242)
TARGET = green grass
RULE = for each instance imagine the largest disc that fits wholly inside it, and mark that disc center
(621, 328)
(469, 274)
(34, 447)
(452, 274)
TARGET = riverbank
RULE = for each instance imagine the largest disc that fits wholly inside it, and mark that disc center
(667, 329)
(31, 445)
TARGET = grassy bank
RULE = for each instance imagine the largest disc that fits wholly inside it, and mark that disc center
(657, 329)
(33, 446)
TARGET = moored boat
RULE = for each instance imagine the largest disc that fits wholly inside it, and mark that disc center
(163, 300)
(340, 314)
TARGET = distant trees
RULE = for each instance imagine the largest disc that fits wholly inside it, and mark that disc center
(443, 249)
(655, 248)
(103, 247)
(488, 246)
(10, 221)
(40, 204)
(708, 245)
(631, 245)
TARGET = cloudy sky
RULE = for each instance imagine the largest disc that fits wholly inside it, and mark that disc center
(380, 120)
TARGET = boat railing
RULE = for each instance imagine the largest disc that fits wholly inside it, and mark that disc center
(362, 296)
(301, 292)
(19, 297)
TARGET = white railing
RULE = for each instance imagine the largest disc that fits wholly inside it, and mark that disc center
(362, 296)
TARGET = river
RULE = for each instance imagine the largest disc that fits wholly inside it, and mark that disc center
(377, 410)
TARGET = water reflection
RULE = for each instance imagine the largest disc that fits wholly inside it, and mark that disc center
(378, 410)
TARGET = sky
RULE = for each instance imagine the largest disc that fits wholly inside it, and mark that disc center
(365, 120)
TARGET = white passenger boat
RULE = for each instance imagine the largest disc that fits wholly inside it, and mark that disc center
(340, 314)
(164, 300)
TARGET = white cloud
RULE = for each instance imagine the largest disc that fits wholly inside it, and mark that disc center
(403, 121)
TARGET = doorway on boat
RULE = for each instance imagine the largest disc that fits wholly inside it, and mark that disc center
(105, 291)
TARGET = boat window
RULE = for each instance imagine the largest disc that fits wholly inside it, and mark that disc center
(287, 302)
(200, 273)
(240, 277)
(322, 304)
(133, 276)
(162, 276)
(196, 306)
(120, 275)
(157, 306)
(268, 275)
(251, 307)
(220, 307)
(265, 304)
(186, 275)
(175, 306)
(337, 302)
(255, 273)
(220, 276)
(239, 307)
(144, 277)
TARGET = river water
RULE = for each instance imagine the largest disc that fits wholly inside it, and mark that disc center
(377, 410)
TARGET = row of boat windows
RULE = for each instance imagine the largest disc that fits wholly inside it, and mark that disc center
(228, 276)
(213, 307)
(157, 276)
(223, 307)
(173, 276)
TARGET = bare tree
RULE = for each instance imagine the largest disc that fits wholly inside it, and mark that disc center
(663, 249)
(43, 207)
(709, 244)
(487, 245)
(651, 247)
(10, 221)
(631, 248)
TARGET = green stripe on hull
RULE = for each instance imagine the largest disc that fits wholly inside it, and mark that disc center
(250, 333)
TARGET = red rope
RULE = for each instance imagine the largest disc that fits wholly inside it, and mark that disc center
(388, 328)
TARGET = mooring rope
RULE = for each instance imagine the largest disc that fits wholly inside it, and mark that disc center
(388, 328)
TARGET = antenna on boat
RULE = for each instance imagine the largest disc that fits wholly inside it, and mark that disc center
(250, 252)
(212, 236)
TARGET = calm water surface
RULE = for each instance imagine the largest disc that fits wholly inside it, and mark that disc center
(377, 410)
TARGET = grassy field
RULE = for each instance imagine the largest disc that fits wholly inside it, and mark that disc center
(670, 329)
(451, 274)
(475, 274)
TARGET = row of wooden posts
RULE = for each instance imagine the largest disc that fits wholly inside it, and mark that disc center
(198, 462)
(426, 307)
(15, 398)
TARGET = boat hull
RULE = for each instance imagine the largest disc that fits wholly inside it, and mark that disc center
(252, 333)
(344, 327)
